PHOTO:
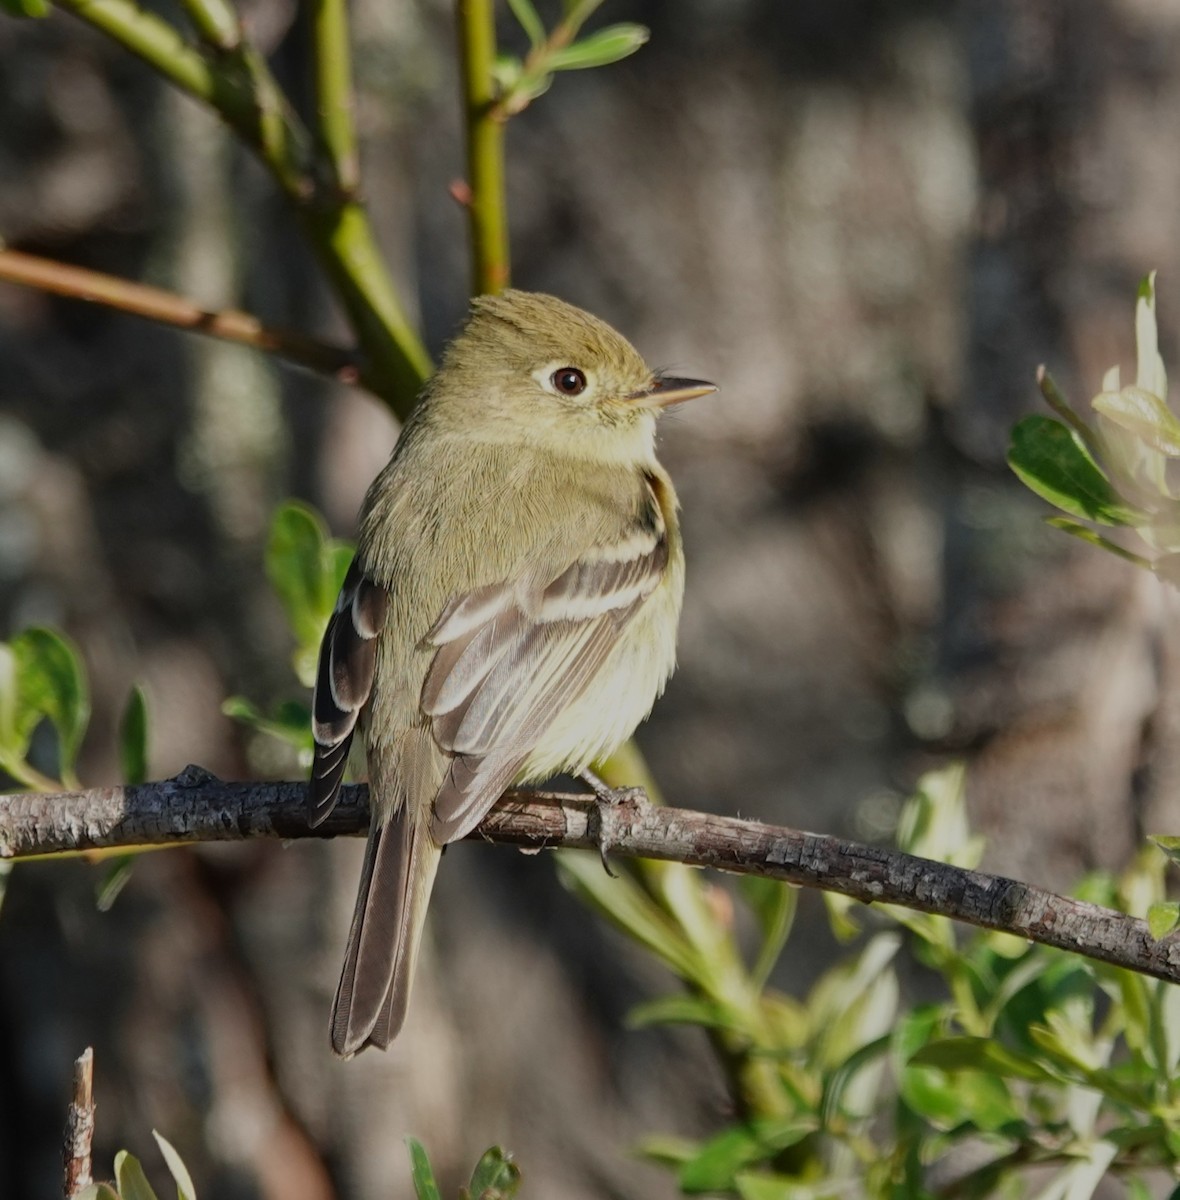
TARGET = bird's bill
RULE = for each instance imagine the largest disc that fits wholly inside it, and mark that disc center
(667, 390)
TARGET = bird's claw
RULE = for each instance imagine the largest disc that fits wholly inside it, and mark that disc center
(607, 800)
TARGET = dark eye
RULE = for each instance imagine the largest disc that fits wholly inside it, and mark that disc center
(569, 381)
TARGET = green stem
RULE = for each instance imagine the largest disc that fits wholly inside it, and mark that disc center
(334, 94)
(485, 148)
(1058, 403)
(240, 88)
(216, 22)
(396, 361)
(1085, 534)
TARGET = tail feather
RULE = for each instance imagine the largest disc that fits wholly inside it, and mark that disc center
(396, 880)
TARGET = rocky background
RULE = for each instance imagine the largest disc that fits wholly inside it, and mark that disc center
(869, 222)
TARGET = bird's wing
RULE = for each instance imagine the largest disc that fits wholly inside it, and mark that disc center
(510, 657)
(344, 679)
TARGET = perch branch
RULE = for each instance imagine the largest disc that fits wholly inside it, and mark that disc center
(197, 807)
(156, 304)
(79, 1131)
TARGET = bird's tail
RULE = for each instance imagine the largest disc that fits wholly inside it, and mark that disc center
(396, 881)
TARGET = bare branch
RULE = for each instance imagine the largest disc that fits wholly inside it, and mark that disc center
(79, 1131)
(197, 807)
(156, 304)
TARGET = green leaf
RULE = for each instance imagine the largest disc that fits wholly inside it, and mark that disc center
(1051, 459)
(667, 1149)
(421, 1172)
(25, 8)
(51, 682)
(295, 566)
(682, 1010)
(757, 1185)
(933, 821)
(721, 1157)
(845, 927)
(290, 722)
(1169, 845)
(526, 16)
(773, 904)
(1162, 919)
(306, 568)
(1024, 972)
(496, 1176)
(837, 1081)
(184, 1183)
(933, 1095)
(1165, 566)
(980, 1054)
(599, 49)
(339, 558)
(133, 1184)
(114, 880)
(98, 1191)
(623, 902)
(133, 738)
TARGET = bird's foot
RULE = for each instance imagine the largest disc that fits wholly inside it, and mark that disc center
(608, 799)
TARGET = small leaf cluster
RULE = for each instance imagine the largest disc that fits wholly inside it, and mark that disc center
(44, 687)
(1116, 466)
(130, 1182)
(496, 1176)
(306, 568)
(43, 684)
(1032, 1064)
(521, 81)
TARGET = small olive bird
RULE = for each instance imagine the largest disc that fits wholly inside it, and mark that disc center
(510, 614)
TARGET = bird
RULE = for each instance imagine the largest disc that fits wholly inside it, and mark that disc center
(510, 613)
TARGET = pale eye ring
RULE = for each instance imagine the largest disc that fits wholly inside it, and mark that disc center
(568, 381)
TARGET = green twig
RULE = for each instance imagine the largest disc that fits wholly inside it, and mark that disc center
(396, 362)
(216, 22)
(538, 64)
(168, 308)
(335, 103)
(1052, 396)
(1086, 534)
(486, 204)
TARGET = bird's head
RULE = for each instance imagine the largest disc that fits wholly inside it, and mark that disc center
(533, 369)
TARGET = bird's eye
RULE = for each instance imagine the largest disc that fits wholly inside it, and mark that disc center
(569, 381)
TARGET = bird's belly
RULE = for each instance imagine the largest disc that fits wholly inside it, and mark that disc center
(618, 698)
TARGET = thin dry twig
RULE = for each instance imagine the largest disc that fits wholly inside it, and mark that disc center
(156, 304)
(197, 807)
(79, 1131)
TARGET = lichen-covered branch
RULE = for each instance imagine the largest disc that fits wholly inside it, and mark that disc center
(196, 807)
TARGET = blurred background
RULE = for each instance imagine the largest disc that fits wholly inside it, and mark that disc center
(869, 222)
